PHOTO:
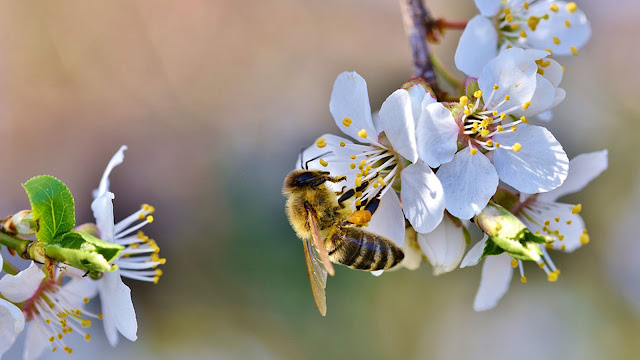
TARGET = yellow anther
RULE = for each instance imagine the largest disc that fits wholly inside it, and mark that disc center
(532, 22)
(140, 234)
(477, 94)
(563, 68)
(158, 272)
(584, 238)
(556, 40)
(467, 112)
(353, 157)
(509, 46)
(346, 121)
(353, 166)
(497, 145)
(87, 337)
(156, 279)
(48, 321)
(54, 350)
(141, 216)
(523, 33)
(375, 185)
(568, 222)
(473, 151)
(503, 115)
(552, 276)
(368, 168)
(514, 27)
(86, 300)
(572, 7)
(484, 133)
(542, 265)
(526, 105)
(574, 50)
(342, 144)
(548, 246)
(567, 23)
(86, 323)
(78, 312)
(563, 248)
(507, 11)
(475, 125)
(514, 128)
(554, 7)
(523, 119)
(549, 51)
(358, 181)
(557, 219)
(150, 219)
(494, 113)
(324, 162)
(499, 128)
(526, 5)
(514, 263)
(52, 339)
(362, 133)
(60, 336)
(100, 316)
(517, 147)
(320, 143)
(560, 237)
(509, 18)
(495, 86)
(489, 142)
(576, 209)
(523, 279)
(547, 223)
(358, 202)
(464, 100)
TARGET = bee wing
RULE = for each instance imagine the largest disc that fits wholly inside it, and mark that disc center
(318, 243)
(317, 276)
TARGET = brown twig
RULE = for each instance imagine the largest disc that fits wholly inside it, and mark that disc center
(415, 15)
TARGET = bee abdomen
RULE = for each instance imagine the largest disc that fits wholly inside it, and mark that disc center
(363, 250)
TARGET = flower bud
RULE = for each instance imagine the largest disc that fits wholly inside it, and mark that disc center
(509, 233)
(20, 223)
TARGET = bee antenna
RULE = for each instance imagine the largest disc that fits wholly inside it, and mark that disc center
(306, 163)
(301, 161)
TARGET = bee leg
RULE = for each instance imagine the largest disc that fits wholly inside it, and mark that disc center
(346, 196)
(336, 179)
(372, 205)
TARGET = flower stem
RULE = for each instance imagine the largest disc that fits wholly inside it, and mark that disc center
(446, 75)
(8, 268)
(19, 245)
(415, 15)
(456, 25)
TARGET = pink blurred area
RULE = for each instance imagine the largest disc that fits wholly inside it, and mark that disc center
(216, 98)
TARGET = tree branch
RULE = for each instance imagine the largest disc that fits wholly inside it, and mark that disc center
(415, 15)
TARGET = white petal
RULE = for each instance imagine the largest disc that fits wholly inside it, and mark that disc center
(81, 288)
(350, 98)
(488, 7)
(1, 262)
(437, 134)
(496, 276)
(553, 72)
(545, 116)
(546, 211)
(102, 208)
(582, 170)
(422, 197)
(561, 94)
(412, 252)
(117, 308)
(398, 124)
(575, 35)
(540, 166)
(37, 339)
(444, 246)
(542, 99)
(116, 160)
(478, 44)
(377, 272)
(11, 324)
(388, 220)
(514, 71)
(473, 256)
(20, 287)
(469, 181)
(419, 98)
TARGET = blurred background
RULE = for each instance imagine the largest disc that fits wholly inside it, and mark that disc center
(216, 98)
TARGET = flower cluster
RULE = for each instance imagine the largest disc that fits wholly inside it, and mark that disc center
(51, 300)
(482, 158)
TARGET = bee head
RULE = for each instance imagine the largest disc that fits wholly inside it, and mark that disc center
(299, 179)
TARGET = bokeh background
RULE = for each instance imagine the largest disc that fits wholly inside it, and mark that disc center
(215, 99)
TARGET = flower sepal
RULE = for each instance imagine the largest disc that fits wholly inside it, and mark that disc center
(85, 252)
(508, 233)
(21, 223)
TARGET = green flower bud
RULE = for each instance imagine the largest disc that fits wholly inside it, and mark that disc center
(20, 223)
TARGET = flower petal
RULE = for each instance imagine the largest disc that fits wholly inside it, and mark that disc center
(542, 99)
(582, 170)
(102, 208)
(437, 134)
(11, 324)
(20, 287)
(412, 253)
(541, 164)
(496, 276)
(422, 197)
(117, 308)
(488, 7)
(398, 124)
(514, 71)
(388, 221)
(37, 339)
(475, 254)
(444, 246)
(350, 99)
(546, 116)
(569, 226)
(469, 181)
(419, 99)
(116, 160)
(553, 72)
(575, 33)
(477, 45)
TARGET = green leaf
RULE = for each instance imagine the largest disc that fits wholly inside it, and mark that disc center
(84, 251)
(491, 248)
(52, 205)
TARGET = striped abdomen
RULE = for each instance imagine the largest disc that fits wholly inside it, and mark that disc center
(362, 250)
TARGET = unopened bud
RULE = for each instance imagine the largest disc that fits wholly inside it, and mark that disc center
(20, 223)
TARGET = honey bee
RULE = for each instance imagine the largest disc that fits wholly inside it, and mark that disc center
(331, 231)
